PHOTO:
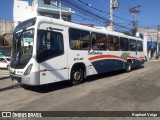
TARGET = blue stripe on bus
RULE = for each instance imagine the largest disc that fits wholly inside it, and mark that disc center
(109, 65)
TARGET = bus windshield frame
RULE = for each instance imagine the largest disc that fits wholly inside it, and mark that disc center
(23, 40)
(22, 48)
(25, 24)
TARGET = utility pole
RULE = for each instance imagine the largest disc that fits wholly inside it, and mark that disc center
(60, 12)
(158, 30)
(134, 11)
(113, 5)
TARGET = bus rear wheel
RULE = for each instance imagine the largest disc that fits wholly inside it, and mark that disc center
(77, 75)
(129, 66)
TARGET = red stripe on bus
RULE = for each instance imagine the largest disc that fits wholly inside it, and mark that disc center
(104, 56)
(112, 56)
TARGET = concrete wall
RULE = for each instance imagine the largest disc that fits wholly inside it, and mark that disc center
(6, 27)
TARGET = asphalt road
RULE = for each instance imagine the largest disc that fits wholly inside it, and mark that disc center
(4, 73)
(138, 90)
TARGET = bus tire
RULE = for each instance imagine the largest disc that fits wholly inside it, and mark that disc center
(129, 66)
(77, 75)
(8, 67)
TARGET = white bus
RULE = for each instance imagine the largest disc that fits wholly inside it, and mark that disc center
(47, 50)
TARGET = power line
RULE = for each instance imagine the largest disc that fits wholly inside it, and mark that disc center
(84, 17)
(87, 4)
(83, 10)
(88, 13)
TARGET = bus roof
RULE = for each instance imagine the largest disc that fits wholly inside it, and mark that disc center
(75, 25)
(40, 19)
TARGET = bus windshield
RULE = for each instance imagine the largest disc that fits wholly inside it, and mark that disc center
(22, 48)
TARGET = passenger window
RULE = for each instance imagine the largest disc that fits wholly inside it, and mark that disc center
(99, 41)
(132, 45)
(49, 45)
(124, 44)
(113, 43)
(79, 39)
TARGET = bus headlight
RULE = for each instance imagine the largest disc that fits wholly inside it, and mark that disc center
(28, 70)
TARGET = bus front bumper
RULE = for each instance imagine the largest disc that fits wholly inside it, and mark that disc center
(31, 79)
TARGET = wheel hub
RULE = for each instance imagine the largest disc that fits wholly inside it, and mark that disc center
(77, 75)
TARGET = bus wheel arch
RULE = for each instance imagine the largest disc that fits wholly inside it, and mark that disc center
(77, 73)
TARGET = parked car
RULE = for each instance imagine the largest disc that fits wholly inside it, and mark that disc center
(4, 62)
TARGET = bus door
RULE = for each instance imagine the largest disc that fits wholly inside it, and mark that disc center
(51, 54)
(140, 53)
(133, 52)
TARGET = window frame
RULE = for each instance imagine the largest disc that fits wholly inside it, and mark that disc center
(105, 43)
(127, 44)
(141, 49)
(78, 42)
(117, 38)
(48, 52)
(135, 44)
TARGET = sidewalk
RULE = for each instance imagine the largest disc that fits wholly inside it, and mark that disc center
(153, 59)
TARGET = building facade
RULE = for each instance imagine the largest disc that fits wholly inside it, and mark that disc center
(22, 10)
(152, 39)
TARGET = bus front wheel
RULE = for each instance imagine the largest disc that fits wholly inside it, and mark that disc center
(77, 75)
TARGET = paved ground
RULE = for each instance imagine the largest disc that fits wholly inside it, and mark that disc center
(4, 73)
(138, 90)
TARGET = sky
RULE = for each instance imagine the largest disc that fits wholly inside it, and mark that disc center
(149, 15)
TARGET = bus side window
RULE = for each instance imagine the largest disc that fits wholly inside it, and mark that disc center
(41, 46)
(124, 44)
(132, 45)
(111, 46)
(99, 41)
(113, 43)
(49, 45)
(79, 39)
(139, 46)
